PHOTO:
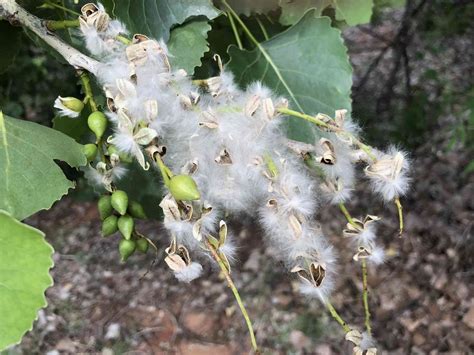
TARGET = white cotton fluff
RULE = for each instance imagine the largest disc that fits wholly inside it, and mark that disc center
(322, 292)
(386, 180)
(367, 341)
(189, 273)
(228, 133)
(377, 256)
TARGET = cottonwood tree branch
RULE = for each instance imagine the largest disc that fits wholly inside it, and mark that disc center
(17, 16)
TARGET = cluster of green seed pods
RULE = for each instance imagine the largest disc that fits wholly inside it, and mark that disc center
(117, 214)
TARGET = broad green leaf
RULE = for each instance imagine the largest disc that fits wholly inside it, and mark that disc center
(30, 180)
(72, 127)
(155, 18)
(10, 41)
(24, 277)
(187, 44)
(353, 12)
(249, 7)
(307, 63)
(293, 11)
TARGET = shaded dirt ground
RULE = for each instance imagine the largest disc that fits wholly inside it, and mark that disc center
(421, 298)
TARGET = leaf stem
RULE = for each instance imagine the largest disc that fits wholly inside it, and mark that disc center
(347, 214)
(231, 284)
(337, 317)
(262, 27)
(123, 39)
(263, 51)
(53, 25)
(166, 173)
(234, 29)
(86, 85)
(317, 121)
(400, 214)
(365, 296)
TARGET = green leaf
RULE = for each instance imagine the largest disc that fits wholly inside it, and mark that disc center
(187, 44)
(24, 277)
(307, 63)
(29, 179)
(293, 11)
(353, 12)
(72, 127)
(155, 18)
(10, 42)
(250, 7)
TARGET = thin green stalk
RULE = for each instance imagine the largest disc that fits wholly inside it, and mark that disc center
(53, 25)
(367, 149)
(86, 85)
(400, 214)
(347, 214)
(262, 27)
(312, 119)
(123, 39)
(166, 173)
(236, 295)
(53, 4)
(234, 29)
(365, 297)
(337, 317)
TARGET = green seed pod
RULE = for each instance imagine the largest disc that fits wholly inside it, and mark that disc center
(105, 207)
(97, 123)
(136, 210)
(142, 245)
(125, 226)
(90, 151)
(71, 103)
(119, 201)
(183, 187)
(127, 248)
(109, 226)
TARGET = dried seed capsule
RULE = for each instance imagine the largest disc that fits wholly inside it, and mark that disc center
(127, 248)
(136, 210)
(183, 187)
(125, 225)
(119, 201)
(90, 151)
(97, 123)
(109, 226)
(105, 207)
(142, 245)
